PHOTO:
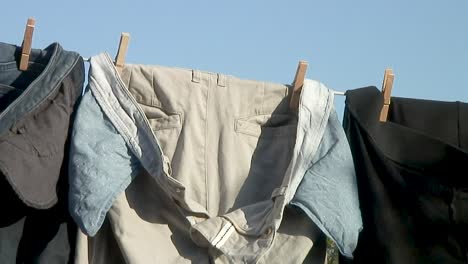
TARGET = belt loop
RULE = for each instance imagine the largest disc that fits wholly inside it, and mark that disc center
(221, 80)
(195, 76)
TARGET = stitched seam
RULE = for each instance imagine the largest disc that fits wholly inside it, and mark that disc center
(51, 91)
(206, 140)
(225, 237)
(264, 132)
(139, 113)
(147, 132)
(31, 202)
(316, 135)
(221, 233)
(115, 120)
(110, 109)
(173, 121)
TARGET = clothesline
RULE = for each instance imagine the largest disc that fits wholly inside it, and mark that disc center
(87, 59)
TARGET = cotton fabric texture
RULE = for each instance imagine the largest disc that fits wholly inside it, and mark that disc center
(411, 178)
(196, 167)
(36, 113)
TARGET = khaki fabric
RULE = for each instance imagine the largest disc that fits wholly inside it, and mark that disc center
(143, 227)
(230, 168)
(224, 136)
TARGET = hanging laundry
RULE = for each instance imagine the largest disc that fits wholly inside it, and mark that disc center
(36, 111)
(328, 192)
(411, 178)
(173, 165)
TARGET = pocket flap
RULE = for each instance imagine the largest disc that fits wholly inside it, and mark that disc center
(279, 125)
(167, 122)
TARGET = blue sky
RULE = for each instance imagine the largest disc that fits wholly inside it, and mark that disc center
(348, 44)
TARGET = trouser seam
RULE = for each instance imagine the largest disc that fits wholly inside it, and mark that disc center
(205, 145)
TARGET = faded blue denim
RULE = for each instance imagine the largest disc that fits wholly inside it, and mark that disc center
(328, 192)
(97, 140)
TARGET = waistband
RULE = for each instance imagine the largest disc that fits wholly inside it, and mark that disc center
(409, 147)
(122, 108)
(58, 63)
(128, 119)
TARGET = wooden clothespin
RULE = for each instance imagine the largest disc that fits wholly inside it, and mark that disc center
(27, 44)
(386, 91)
(122, 51)
(297, 84)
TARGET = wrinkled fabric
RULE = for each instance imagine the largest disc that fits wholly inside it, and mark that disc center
(411, 175)
(328, 192)
(36, 111)
(97, 139)
(178, 134)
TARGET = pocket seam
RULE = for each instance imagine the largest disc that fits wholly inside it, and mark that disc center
(34, 150)
(170, 125)
(50, 151)
(257, 130)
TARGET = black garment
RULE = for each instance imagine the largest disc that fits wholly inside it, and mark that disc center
(36, 111)
(412, 174)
